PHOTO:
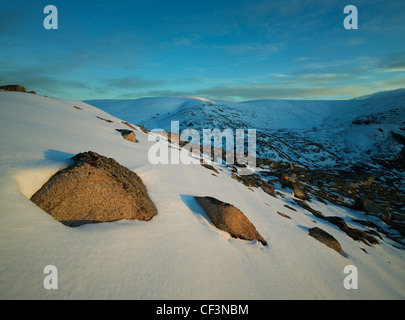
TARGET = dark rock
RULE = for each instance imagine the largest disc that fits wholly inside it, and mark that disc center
(269, 189)
(325, 238)
(288, 207)
(230, 219)
(94, 189)
(13, 87)
(128, 124)
(359, 174)
(305, 205)
(210, 167)
(283, 215)
(106, 120)
(369, 206)
(355, 234)
(399, 138)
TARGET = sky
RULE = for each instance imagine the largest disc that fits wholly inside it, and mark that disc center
(234, 50)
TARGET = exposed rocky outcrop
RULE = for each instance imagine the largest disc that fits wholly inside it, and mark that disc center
(13, 87)
(354, 188)
(228, 218)
(94, 189)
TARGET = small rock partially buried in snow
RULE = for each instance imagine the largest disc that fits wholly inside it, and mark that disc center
(325, 238)
(127, 134)
(94, 189)
(230, 219)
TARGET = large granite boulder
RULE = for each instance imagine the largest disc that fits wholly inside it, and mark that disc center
(94, 189)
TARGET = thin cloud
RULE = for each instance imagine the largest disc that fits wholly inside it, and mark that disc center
(251, 49)
(133, 83)
(270, 91)
(394, 62)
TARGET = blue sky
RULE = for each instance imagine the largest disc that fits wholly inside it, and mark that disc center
(225, 50)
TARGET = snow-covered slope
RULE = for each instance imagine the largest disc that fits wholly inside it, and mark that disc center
(178, 254)
(321, 134)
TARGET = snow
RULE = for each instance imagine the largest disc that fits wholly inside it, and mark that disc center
(311, 133)
(178, 254)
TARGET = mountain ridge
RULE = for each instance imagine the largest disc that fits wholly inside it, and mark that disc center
(327, 134)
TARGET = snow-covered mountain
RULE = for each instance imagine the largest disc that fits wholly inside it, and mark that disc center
(179, 254)
(367, 131)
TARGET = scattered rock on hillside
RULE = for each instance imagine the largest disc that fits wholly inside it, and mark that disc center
(228, 218)
(359, 175)
(94, 189)
(127, 134)
(300, 193)
(268, 188)
(283, 215)
(357, 188)
(210, 167)
(128, 124)
(353, 233)
(326, 238)
(106, 120)
(143, 129)
(369, 206)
